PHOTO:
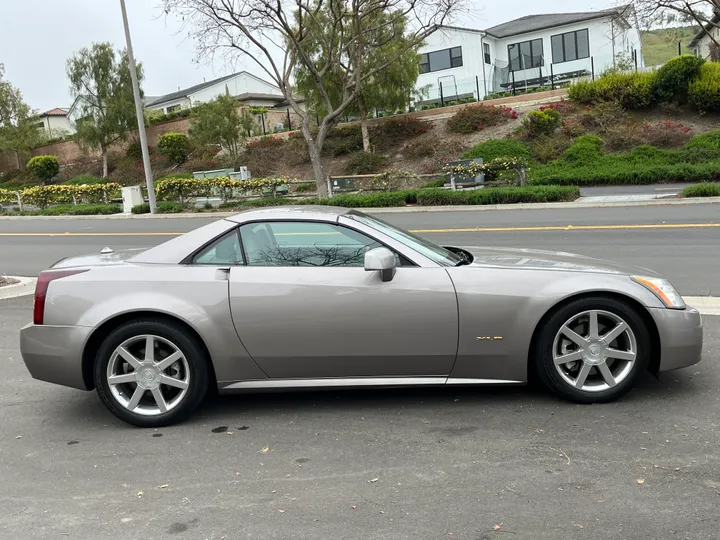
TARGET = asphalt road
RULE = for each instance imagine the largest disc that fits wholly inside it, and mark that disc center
(471, 464)
(689, 256)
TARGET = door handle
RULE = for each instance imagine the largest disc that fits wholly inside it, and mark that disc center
(222, 273)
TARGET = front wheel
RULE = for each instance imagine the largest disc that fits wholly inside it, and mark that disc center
(150, 373)
(592, 350)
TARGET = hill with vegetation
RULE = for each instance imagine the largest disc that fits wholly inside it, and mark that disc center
(661, 45)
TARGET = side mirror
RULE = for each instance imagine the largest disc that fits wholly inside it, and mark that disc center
(382, 260)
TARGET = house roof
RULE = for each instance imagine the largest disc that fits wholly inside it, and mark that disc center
(57, 111)
(533, 23)
(704, 30)
(193, 89)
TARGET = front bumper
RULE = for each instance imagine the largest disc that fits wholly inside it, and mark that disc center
(54, 353)
(681, 337)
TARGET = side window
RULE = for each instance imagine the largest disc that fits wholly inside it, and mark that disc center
(302, 243)
(225, 250)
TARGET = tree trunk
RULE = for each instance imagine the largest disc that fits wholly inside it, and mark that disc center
(315, 159)
(105, 163)
(364, 124)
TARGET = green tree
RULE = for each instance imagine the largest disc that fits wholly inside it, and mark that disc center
(384, 38)
(18, 132)
(282, 36)
(218, 122)
(100, 80)
(44, 167)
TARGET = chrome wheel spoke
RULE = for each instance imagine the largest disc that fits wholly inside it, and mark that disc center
(573, 336)
(570, 357)
(165, 363)
(135, 400)
(159, 399)
(621, 355)
(149, 349)
(583, 375)
(170, 381)
(594, 332)
(129, 358)
(607, 374)
(613, 334)
(122, 379)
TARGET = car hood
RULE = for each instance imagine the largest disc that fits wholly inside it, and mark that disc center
(535, 259)
(98, 259)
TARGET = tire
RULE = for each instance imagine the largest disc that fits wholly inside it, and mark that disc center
(180, 381)
(606, 363)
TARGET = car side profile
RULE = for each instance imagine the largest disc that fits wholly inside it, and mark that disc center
(318, 297)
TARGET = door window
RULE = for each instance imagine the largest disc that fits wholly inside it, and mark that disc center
(302, 243)
(225, 250)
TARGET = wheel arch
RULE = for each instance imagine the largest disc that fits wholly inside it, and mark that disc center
(103, 331)
(653, 366)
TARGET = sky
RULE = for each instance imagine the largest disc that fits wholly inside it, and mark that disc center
(38, 36)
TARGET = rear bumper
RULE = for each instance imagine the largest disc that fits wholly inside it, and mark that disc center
(54, 353)
(681, 337)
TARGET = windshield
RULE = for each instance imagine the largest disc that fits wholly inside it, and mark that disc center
(432, 251)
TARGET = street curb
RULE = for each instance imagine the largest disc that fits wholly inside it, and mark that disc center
(403, 209)
(25, 287)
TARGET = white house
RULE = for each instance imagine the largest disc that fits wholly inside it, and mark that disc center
(700, 44)
(526, 52)
(243, 86)
(55, 122)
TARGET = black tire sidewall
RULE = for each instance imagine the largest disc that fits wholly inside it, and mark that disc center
(194, 354)
(544, 363)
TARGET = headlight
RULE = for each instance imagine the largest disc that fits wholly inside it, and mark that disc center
(663, 289)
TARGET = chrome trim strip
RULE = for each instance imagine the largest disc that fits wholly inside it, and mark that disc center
(481, 381)
(324, 383)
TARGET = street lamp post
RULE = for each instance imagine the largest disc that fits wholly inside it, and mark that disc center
(139, 112)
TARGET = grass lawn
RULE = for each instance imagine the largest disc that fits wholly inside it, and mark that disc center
(659, 46)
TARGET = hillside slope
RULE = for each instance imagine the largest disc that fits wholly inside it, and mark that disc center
(661, 45)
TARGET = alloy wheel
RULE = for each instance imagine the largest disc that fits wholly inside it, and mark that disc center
(594, 350)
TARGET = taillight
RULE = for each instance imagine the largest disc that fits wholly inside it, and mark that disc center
(41, 288)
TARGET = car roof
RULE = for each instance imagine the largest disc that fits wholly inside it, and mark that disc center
(300, 212)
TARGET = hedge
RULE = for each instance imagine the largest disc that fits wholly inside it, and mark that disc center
(703, 189)
(503, 195)
(704, 91)
(631, 90)
(43, 196)
(498, 148)
(74, 210)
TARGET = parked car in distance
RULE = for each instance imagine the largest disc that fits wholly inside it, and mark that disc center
(317, 297)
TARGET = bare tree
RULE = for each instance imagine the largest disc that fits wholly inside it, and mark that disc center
(282, 35)
(668, 13)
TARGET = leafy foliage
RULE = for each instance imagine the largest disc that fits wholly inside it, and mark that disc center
(631, 90)
(44, 167)
(17, 127)
(162, 207)
(478, 117)
(704, 91)
(218, 122)
(364, 163)
(175, 147)
(43, 196)
(498, 148)
(505, 195)
(706, 141)
(100, 81)
(88, 179)
(542, 122)
(703, 189)
(672, 79)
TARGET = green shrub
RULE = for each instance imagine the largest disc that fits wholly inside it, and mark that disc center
(506, 195)
(546, 149)
(393, 132)
(339, 141)
(631, 90)
(364, 163)
(604, 115)
(175, 147)
(81, 210)
(163, 207)
(539, 123)
(134, 150)
(45, 168)
(704, 91)
(85, 179)
(175, 175)
(434, 184)
(706, 141)
(498, 148)
(672, 79)
(143, 208)
(370, 200)
(304, 188)
(703, 189)
(478, 117)
(585, 149)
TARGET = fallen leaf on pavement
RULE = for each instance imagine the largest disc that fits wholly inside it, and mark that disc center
(640, 481)
(237, 473)
(266, 450)
(353, 507)
(281, 511)
(140, 494)
(497, 526)
(273, 491)
(19, 437)
(373, 480)
(164, 486)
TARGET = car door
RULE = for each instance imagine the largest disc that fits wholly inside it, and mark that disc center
(304, 306)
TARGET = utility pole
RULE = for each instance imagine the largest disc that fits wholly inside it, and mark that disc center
(139, 111)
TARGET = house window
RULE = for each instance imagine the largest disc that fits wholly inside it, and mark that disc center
(525, 55)
(570, 46)
(486, 52)
(172, 108)
(439, 60)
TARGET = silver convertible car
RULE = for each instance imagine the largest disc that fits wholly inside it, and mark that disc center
(318, 297)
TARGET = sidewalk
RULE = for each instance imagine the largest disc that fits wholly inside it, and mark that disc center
(611, 201)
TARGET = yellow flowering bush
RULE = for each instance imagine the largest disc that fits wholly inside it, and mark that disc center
(7, 196)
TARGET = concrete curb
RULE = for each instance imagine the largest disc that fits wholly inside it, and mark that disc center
(706, 305)
(25, 287)
(405, 209)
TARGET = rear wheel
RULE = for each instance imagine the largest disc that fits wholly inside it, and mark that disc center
(592, 350)
(150, 373)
